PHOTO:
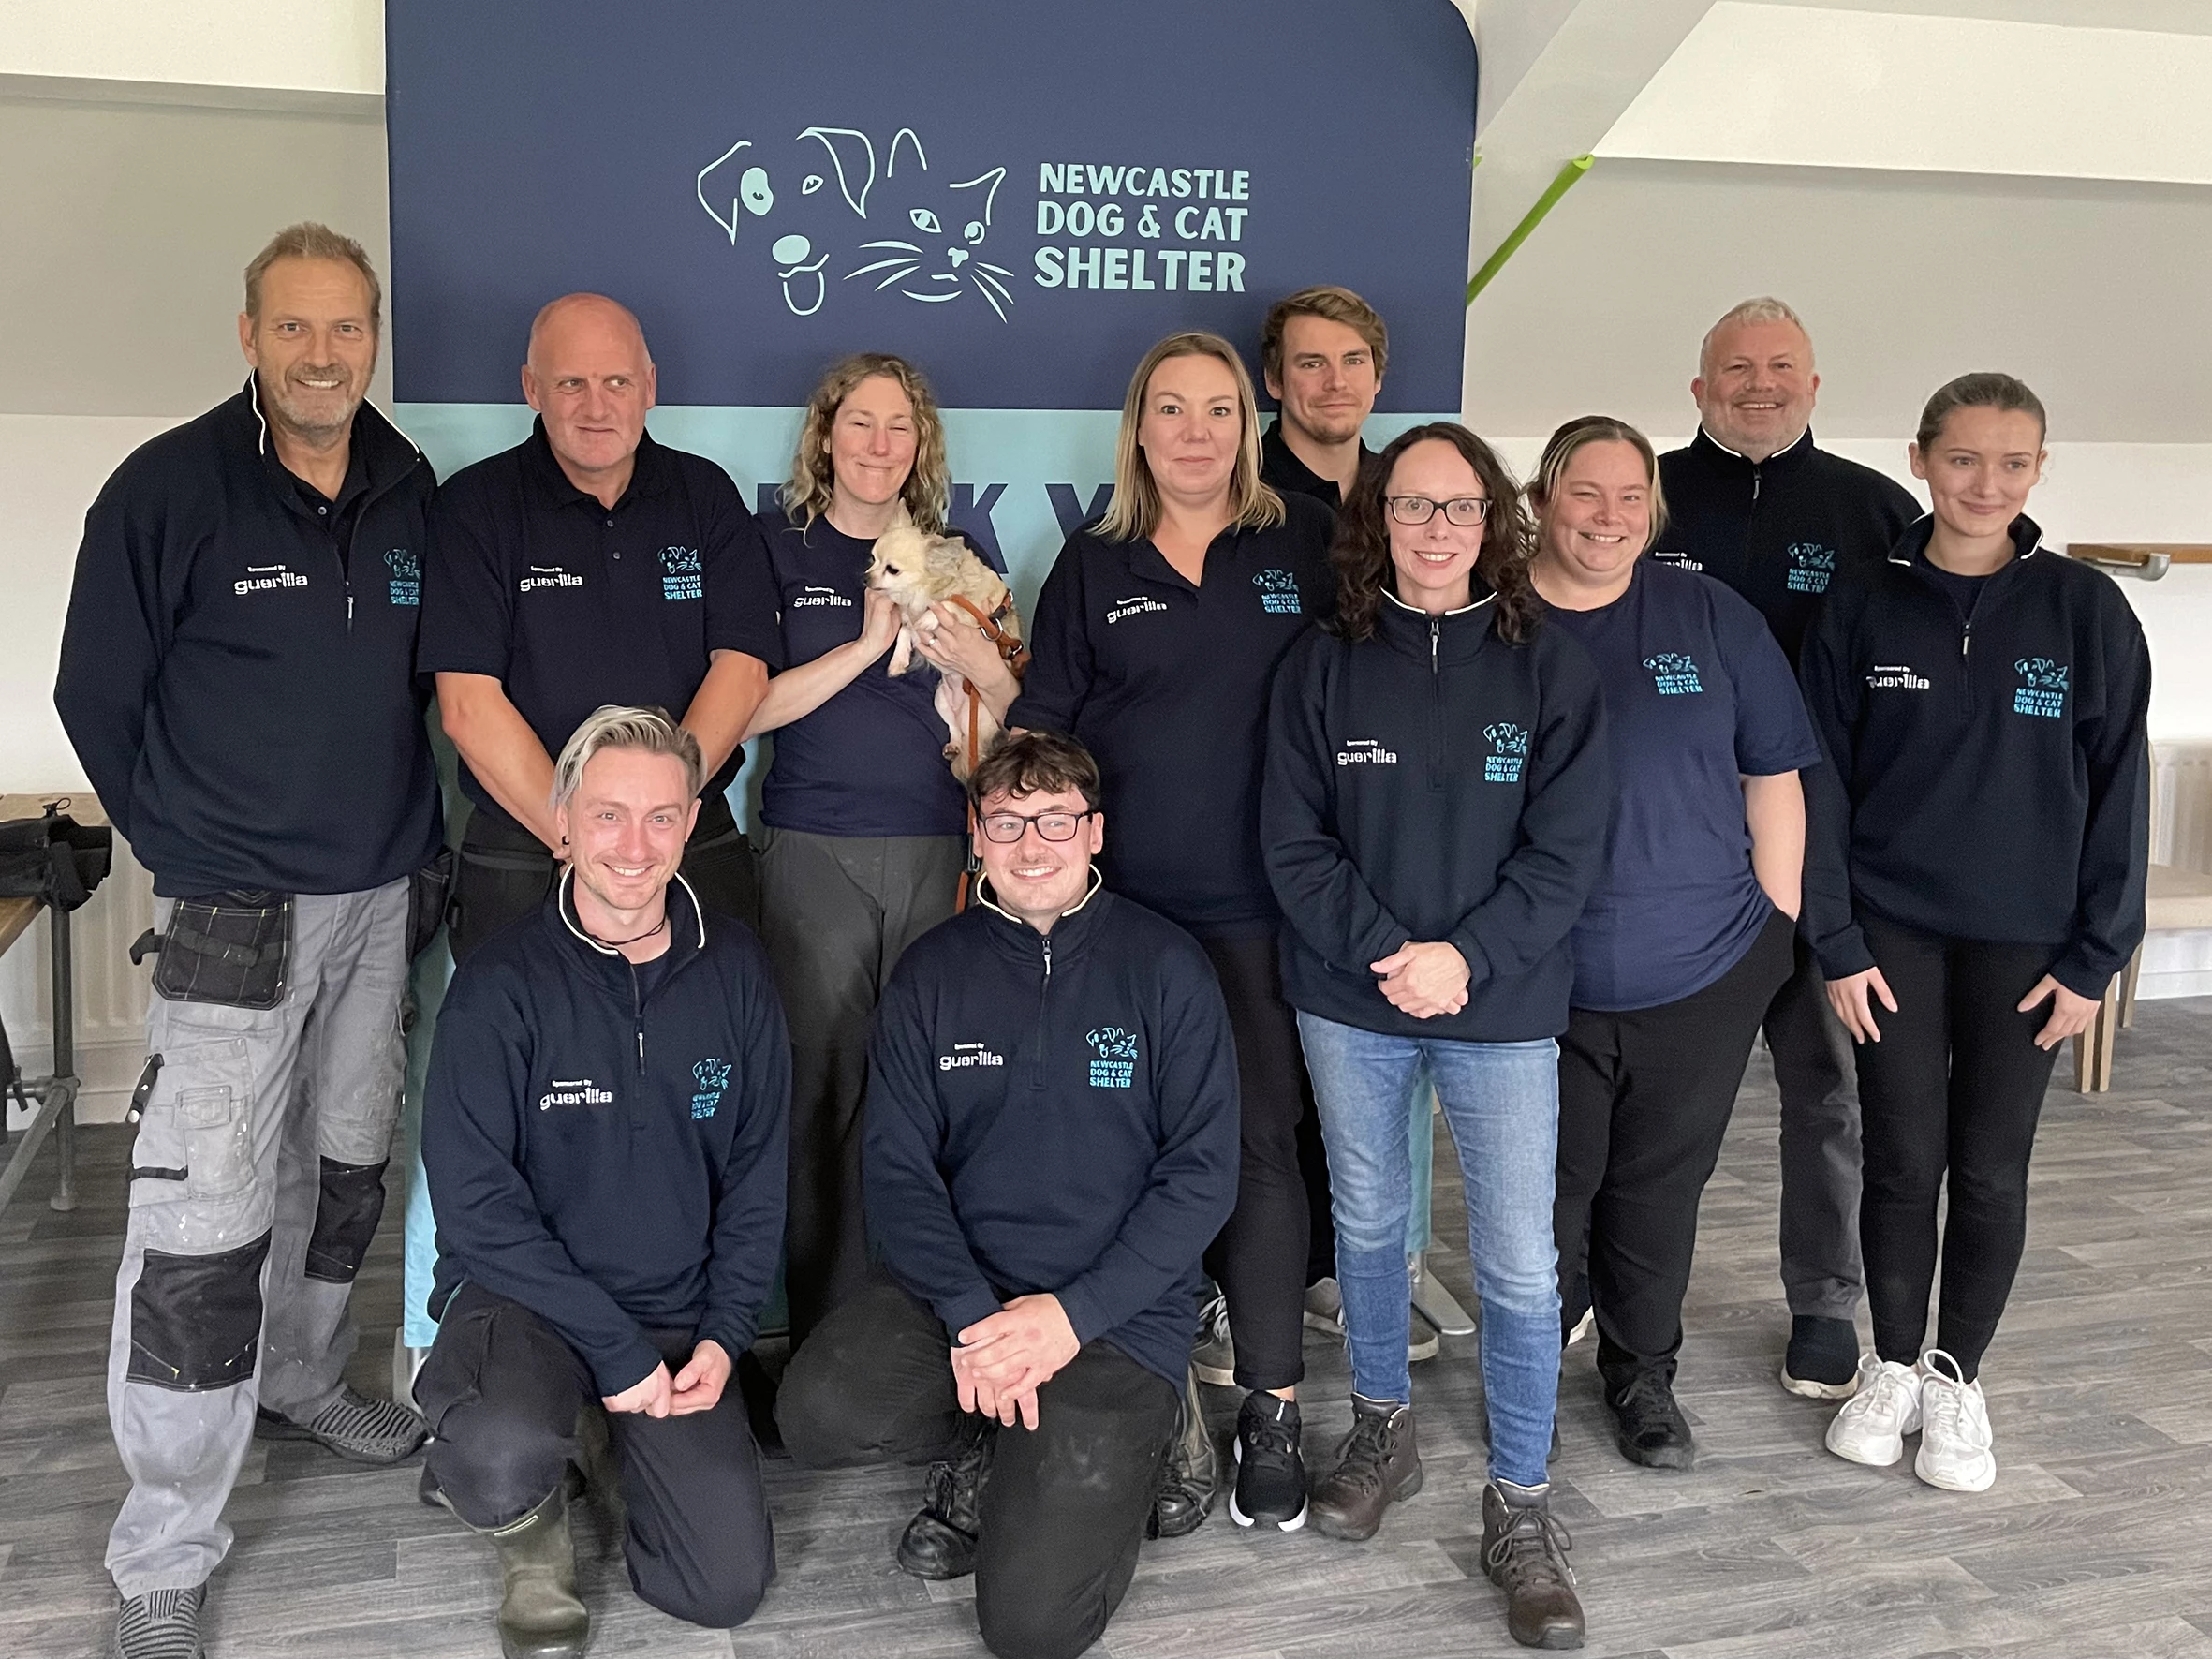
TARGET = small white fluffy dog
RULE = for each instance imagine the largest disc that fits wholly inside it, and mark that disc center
(920, 570)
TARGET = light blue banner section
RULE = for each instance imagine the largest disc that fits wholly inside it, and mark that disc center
(1022, 478)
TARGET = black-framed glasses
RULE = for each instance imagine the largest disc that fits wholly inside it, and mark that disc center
(1467, 511)
(1006, 828)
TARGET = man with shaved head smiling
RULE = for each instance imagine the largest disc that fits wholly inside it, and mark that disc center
(1753, 502)
(586, 566)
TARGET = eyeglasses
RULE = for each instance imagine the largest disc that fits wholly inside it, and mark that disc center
(1006, 828)
(1467, 511)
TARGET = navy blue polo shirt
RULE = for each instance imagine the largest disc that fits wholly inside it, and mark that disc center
(1698, 696)
(1167, 685)
(570, 604)
(871, 759)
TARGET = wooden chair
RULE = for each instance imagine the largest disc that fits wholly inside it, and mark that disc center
(2174, 899)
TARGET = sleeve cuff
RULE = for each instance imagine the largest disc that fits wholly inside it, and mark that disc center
(1844, 955)
(2081, 978)
(959, 1313)
(1084, 1314)
(1470, 947)
(627, 1369)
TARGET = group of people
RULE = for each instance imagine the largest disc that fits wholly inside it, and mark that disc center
(1334, 777)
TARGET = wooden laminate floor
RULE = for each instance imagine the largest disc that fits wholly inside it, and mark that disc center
(2097, 1539)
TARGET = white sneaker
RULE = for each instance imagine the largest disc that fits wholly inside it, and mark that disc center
(1324, 1306)
(1957, 1449)
(1582, 1326)
(1214, 1357)
(1872, 1426)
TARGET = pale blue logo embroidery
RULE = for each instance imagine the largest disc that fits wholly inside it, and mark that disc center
(713, 1077)
(2042, 687)
(1509, 753)
(406, 576)
(1115, 1066)
(1812, 567)
(681, 574)
(1278, 593)
(1674, 674)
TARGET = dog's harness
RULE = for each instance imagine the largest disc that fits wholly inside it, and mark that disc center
(1011, 652)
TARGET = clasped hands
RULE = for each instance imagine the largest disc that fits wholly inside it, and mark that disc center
(1424, 980)
(698, 1387)
(1003, 1359)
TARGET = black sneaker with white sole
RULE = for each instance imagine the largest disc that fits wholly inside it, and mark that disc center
(1270, 1471)
(162, 1625)
(1823, 1362)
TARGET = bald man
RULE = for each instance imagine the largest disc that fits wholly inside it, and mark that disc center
(587, 566)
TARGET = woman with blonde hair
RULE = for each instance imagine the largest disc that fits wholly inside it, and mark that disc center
(1157, 636)
(862, 825)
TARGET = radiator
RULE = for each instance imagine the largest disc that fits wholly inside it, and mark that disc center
(2181, 805)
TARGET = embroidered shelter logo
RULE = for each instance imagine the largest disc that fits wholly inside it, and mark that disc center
(1509, 753)
(1115, 1066)
(1812, 567)
(1278, 593)
(681, 574)
(1674, 674)
(2042, 687)
(406, 576)
(713, 1077)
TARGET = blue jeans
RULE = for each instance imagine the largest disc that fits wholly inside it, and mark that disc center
(1502, 1103)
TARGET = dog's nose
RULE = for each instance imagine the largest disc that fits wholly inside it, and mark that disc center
(791, 250)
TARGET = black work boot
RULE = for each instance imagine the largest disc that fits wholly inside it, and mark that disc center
(1648, 1426)
(1377, 1465)
(1270, 1471)
(540, 1615)
(1191, 1471)
(940, 1541)
(1525, 1553)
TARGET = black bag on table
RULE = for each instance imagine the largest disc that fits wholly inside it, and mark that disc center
(53, 858)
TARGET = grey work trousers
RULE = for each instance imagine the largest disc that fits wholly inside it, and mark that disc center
(836, 913)
(256, 1182)
(1821, 1275)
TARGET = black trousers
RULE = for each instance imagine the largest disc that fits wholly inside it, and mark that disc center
(1822, 1273)
(1064, 1505)
(502, 1391)
(1951, 1096)
(836, 913)
(1645, 1099)
(503, 872)
(1258, 1259)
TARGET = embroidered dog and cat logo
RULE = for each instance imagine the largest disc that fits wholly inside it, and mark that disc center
(1509, 753)
(1278, 593)
(682, 573)
(1674, 674)
(713, 1078)
(2042, 687)
(406, 576)
(1812, 567)
(1114, 1062)
(902, 229)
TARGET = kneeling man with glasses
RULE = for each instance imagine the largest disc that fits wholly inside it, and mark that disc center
(1051, 1143)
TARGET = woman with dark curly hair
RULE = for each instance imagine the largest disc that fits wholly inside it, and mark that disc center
(1434, 814)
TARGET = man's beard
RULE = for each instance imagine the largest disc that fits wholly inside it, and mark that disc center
(319, 422)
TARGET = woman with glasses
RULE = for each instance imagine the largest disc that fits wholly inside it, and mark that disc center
(1155, 637)
(1688, 935)
(865, 824)
(1434, 816)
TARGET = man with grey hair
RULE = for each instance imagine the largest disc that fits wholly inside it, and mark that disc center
(1755, 503)
(590, 565)
(237, 675)
(604, 1131)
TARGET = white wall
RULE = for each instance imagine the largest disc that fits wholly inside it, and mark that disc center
(325, 46)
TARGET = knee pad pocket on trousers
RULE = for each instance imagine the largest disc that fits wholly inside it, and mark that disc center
(345, 1217)
(196, 1319)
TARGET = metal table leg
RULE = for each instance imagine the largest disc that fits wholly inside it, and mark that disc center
(63, 1082)
(1436, 1304)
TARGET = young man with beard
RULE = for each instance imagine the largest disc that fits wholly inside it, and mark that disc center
(237, 675)
(1050, 1145)
(1755, 503)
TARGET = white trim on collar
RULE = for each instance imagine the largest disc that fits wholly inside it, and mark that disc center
(1417, 610)
(984, 898)
(568, 875)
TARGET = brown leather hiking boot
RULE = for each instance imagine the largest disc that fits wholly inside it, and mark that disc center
(1525, 1553)
(1377, 1465)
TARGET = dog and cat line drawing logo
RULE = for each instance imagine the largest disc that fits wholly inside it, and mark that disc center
(406, 576)
(1674, 674)
(1115, 1062)
(1812, 567)
(682, 573)
(712, 1075)
(931, 254)
(2042, 687)
(1509, 753)
(1278, 593)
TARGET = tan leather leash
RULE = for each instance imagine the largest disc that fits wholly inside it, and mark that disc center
(1017, 658)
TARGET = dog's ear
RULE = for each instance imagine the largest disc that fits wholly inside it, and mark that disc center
(947, 554)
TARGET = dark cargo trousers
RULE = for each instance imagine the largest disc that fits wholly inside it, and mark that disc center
(502, 1391)
(1814, 1072)
(256, 1183)
(1064, 1505)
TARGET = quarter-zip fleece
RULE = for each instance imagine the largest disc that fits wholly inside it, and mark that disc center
(1166, 683)
(237, 680)
(1988, 780)
(611, 1157)
(1433, 783)
(1054, 1113)
(1780, 531)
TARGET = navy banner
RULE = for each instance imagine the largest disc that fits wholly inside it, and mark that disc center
(1021, 198)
